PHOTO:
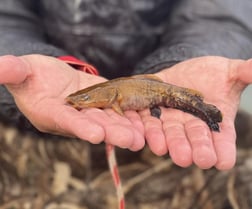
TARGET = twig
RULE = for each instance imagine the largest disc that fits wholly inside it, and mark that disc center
(200, 182)
(231, 191)
(165, 165)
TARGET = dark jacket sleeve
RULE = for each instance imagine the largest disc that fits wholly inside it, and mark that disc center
(198, 28)
(20, 33)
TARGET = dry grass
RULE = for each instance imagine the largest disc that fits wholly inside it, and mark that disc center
(57, 173)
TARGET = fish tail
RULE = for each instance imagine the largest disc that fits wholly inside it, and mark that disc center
(195, 106)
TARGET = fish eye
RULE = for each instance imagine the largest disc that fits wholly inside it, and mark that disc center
(85, 97)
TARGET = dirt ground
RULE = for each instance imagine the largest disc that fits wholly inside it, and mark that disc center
(46, 172)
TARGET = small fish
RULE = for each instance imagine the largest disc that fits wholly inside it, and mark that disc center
(145, 91)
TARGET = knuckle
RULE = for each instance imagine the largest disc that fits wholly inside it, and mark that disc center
(197, 127)
(198, 132)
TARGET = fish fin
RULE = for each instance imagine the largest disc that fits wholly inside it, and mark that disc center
(155, 111)
(151, 77)
(116, 107)
(115, 102)
(196, 93)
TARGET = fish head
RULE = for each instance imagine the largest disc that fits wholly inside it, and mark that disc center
(98, 97)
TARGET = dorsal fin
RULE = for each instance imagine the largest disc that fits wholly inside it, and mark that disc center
(196, 93)
(151, 77)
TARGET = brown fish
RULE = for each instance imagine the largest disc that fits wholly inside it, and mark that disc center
(145, 91)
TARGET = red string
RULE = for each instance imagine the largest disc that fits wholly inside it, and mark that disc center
(80, 65)
(110, 150)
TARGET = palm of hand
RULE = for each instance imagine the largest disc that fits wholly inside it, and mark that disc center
(43, 84)
(187, 138)
(40, 84)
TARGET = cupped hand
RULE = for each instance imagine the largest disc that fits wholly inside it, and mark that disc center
(39, 85)
(187, 138)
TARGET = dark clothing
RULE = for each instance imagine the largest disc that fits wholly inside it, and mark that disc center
(122, 37)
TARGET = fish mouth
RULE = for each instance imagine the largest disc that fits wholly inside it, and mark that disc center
(70, 102)
(78, 105)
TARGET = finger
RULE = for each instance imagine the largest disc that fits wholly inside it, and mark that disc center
(177, 142)
(225, 146)
(13, 70)
(244, 72)
(179, 147)
(200, 137)
(72, 122)
(154, 133)
(136, 121)
(119, 131)
(124, 137)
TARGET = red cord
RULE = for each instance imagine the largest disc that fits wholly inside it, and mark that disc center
(80, 65)
(110, 149)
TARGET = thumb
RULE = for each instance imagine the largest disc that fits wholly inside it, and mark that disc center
(13, 70)
(244, 72)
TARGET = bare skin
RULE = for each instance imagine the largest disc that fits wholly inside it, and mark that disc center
(188, 139)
